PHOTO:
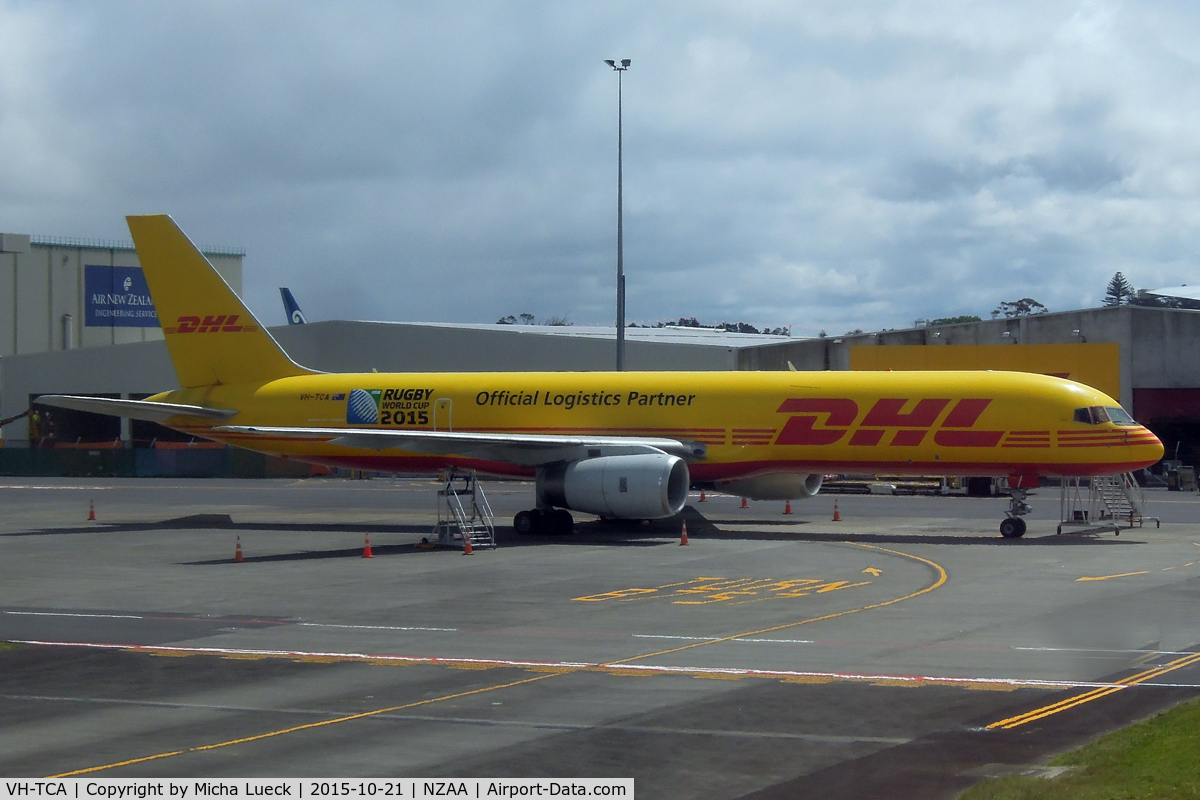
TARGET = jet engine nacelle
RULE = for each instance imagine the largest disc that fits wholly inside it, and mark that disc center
(647, 486)
(776, 486)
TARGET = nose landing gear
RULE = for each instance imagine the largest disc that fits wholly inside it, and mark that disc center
(1013, 527)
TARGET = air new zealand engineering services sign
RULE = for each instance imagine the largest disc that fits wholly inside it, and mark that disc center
(117, 297)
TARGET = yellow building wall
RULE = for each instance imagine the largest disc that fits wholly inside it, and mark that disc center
(1097, 365)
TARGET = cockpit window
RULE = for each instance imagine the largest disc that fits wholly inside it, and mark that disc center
(1118, 416)
(1098, 415)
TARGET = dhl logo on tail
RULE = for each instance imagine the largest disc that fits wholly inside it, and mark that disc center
(210, 324)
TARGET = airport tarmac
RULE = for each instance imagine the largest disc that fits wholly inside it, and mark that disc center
(906, 651)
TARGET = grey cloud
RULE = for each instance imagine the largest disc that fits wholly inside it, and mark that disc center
(827, 165)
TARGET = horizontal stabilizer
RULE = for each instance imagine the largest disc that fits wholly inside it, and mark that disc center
(518, 448)
(134, 409)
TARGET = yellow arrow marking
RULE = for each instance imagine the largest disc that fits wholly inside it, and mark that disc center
(1106, 577)
(873, 571)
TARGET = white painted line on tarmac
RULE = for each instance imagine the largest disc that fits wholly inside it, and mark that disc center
(1103, 650)
(903, 644)
(372, 627)
(72, 488)
(719, 638)
(224, 651)
(629, 669)
(66, 614)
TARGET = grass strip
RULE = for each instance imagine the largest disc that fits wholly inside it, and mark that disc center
(1156, 758)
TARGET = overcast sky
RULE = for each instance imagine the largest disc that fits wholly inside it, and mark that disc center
(824, 165)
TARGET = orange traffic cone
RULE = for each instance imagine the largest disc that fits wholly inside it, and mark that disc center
(837, 516)
(92, 510)
(367, 549)
(702, 497)
(683, 540)
(744, 503)
(467, 549)
(787, 507)
(237, 554)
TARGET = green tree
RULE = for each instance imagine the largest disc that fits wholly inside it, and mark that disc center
(1024, 307)
(1120, 292)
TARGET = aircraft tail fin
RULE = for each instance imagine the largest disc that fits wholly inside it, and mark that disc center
(211, 335)
(294, 314)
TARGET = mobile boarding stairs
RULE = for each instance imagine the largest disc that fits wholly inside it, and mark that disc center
(1112, 501)
(464, 514)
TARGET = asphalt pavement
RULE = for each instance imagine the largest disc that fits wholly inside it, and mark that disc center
(906, 650)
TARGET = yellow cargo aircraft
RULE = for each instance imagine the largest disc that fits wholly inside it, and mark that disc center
(618, 444)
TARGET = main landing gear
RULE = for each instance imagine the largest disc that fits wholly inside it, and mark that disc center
(1013, 527)
(549, 521)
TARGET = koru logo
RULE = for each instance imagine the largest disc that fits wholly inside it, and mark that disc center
(128, 282)
(827, 420)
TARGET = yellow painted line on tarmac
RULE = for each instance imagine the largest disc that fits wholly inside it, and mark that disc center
(1094, 694)
(295, 728)
(1110, 577)
(941, 579)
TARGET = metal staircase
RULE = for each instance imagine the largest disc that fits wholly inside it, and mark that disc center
(1113, 501)
(1119, 498)
(463, 513)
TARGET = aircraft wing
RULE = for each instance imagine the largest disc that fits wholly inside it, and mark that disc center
(134, 409)
(516, 448)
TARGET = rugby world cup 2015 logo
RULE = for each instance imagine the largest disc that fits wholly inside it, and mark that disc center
(362, 407)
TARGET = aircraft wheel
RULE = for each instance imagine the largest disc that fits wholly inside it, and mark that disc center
(560, 522)
(527, 522)
(1012, 528)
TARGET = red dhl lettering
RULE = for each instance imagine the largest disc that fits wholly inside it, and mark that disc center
(825, 421)
(212, 323)
(802, 430)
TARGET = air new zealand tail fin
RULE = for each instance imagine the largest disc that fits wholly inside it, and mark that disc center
(212, 337)
(294, 314)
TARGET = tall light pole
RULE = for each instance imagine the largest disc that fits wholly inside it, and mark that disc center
(619, 69)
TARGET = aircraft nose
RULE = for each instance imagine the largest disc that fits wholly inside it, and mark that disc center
(1147, 446)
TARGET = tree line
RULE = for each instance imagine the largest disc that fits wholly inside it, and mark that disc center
(683, 322)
